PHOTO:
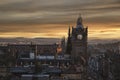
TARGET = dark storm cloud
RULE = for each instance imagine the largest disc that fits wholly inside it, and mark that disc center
(28, 12)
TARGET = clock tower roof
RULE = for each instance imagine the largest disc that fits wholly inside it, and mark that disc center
(79, 22)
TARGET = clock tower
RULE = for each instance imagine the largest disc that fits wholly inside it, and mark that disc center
(79, 42)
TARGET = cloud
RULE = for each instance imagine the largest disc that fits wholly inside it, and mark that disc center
(48, 15)
(47, 9)
(34, 28)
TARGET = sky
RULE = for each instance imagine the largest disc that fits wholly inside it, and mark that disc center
(51, 18)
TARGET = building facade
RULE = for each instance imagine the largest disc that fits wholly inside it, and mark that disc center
(77, 41)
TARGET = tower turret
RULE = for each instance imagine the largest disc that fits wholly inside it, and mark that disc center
(69, 45)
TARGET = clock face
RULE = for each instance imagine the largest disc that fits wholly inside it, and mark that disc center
(79, 36)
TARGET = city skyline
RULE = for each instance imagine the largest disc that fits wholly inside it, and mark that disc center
(51, 18)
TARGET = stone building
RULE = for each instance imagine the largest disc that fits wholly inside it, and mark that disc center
(77, 42)
(77, 47)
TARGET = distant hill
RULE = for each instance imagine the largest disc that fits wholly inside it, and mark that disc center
(21, 40)
(102, 41)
